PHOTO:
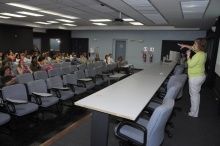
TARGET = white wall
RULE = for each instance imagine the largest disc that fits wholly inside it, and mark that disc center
(103, 42)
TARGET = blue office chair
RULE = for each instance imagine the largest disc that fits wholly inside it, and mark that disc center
(38, 91)
(16, 99)
(146, 132)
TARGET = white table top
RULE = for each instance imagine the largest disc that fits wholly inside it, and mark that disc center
(128, 97)
(43, 94)
(16, 100)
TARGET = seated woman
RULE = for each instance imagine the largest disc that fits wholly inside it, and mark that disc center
(6, 77)
(97, 57)
(35, 65)
(22, 68)
(42, 63)
(106, 59)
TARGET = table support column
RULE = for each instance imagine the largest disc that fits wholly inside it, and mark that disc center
(99, 129)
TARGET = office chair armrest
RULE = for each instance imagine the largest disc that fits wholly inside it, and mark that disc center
(71, 86)
(37, 98)
(134, 125)
(57, 92)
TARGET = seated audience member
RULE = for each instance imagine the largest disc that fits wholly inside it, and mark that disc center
(42, 63)
(35, 65)
(27, 58)
(97, 57)
(11, 55)
(7, 62)
(6, 77)
(120, 61)
(58, 58)
(110, 59)
(17, 58)
(106, 59)
(22, 68)
(75, 60)
(83, 59)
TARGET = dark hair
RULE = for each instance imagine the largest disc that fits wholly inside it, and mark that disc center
(202, 44)
(3, 69)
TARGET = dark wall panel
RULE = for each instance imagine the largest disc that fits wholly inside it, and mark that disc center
(15, 38)
(63, 35)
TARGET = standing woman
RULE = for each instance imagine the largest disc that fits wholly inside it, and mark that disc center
(196, 72)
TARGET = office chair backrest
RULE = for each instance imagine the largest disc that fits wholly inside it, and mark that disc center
(90, 65)
(40, 75)
(173, 91)
(178, 70)
(17, 91)
(82, 67)
(56, 65)
(54, 82)
(65, 64)
(70, 79)
(54, 72)
(65, 70)
(80, 74)
(90, 72)
(37, 86)
(73, 68)
(157, 123)
(25, 78)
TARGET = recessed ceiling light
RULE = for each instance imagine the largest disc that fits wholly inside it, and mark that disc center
(100, 24)
(70, 24)
(24, 6)
(12, 15)
(128, 19)
(43, 23)
(4, 17)
(136, 23)
(29, 13)
(100, 20)
(65, 20)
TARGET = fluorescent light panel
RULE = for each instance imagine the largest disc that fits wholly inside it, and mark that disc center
(29, 13)
(4, 17)
(128, 19)
(100, 20)
(52, 22)
(145, 8)
(65, 20)
(136, 23)
(24, 6)
(194, 9)
(43, 23)
(69, 24)
(12, 15)
(58, 14)
(100, 24)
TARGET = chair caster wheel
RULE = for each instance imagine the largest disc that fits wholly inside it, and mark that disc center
(170, 135)
(171, 125)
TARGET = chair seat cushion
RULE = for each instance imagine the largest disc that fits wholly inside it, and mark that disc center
(24, 109)
(4, 118)
(80, 90)
(66, 95)
(48, 101)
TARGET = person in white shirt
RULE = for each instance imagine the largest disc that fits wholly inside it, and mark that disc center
(110, 60)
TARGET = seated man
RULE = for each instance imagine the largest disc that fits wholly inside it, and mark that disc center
(74, 60)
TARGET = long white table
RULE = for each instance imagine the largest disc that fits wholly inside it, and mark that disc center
(125, 99)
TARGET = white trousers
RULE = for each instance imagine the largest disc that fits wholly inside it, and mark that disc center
(195, 84)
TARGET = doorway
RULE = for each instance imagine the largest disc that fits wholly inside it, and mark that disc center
(80, 45)
(120, 49)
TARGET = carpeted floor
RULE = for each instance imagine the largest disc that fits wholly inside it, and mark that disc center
(187, 131)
